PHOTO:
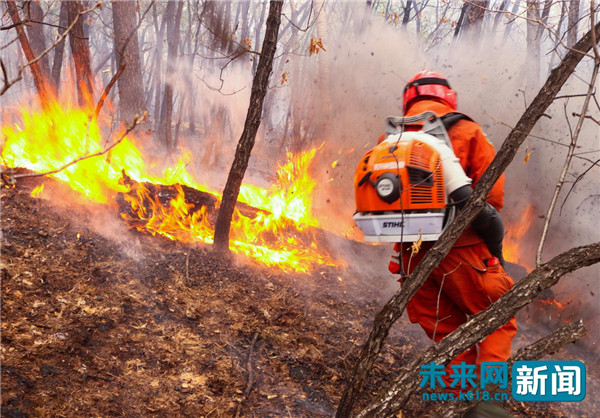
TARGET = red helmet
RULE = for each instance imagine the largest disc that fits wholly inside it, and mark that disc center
(428, 84)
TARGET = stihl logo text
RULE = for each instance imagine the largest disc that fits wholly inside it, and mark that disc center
(393, 224)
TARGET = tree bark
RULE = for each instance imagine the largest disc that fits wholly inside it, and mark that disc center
(532, 62)
(253, 118)
(158, 53)
(60, 47)
(81, 54)
(471, 18)
(131, 88)
(41, 76)
(173, 17)
(573, 23)
(35, 31)
(395, 306)
(406, 15)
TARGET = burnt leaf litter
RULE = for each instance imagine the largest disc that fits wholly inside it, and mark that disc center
(93, 326)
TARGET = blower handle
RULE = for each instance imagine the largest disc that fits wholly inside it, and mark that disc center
(432, 125)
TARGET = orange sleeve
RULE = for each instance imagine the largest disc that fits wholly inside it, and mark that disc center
(475, 153)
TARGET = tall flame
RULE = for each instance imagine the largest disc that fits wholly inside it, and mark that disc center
(515, 236)
(278, 234)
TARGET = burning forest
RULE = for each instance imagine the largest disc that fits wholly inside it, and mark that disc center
(179, 190)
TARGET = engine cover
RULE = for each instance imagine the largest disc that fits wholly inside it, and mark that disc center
(399, 190)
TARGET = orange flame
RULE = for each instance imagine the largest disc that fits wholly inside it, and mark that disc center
(279, 235)
(551, 301)
(513, 248)
(38, 191)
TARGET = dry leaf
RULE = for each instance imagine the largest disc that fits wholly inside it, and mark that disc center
(316, 44)
(527, 157)
(416, 246)
(334, 164)
(283, 78)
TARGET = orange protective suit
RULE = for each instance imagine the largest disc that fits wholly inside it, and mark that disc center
(463, 284)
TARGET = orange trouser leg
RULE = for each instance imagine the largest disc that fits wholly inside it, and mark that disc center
(439, 316)
(462, 286)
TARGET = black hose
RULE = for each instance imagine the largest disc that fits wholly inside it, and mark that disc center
(488, 223)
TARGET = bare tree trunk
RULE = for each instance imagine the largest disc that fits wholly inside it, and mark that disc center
(514, 10)
(158, 65)
(559, 25)
(471, 18)
(60, 47)
(35, 31)
(417, 18)
(131, 88)
(81, 54)
(406, 17)
(253, 118)
(192, 113)
(573, 23)
(499, 14)
(532, 62)
(461, 19)
(395, 306)
(257, 35)
(41, 76)
(173, 17)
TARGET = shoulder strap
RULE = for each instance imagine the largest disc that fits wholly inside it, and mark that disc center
(449, 119)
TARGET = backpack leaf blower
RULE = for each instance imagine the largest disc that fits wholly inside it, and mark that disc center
(410, 186)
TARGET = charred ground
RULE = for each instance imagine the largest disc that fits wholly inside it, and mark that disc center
(91, 328)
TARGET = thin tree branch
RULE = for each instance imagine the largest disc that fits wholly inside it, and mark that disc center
(576, 181)
(9, 178)
(24, 21)
(567, 164)
(107, 89)
(8, 84)
(593, 119)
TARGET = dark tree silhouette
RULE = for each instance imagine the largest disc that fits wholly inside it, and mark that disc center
(81, 54)
(131, 89)
(253, 118)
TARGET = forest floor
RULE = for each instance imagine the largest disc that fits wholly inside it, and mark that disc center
(93, 326)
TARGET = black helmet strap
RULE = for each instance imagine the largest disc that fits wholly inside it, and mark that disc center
(427, 80)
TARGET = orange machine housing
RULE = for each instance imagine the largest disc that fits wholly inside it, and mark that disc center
(416, 165)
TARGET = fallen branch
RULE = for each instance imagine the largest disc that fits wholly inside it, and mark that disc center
(393, 398)
(396, 305)
(550, 344)
(9, 178)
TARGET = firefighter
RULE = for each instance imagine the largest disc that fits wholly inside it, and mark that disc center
(469, 278)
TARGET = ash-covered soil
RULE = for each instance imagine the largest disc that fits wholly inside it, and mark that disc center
(140, 325)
